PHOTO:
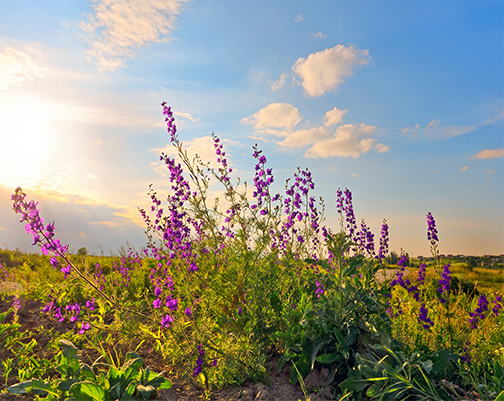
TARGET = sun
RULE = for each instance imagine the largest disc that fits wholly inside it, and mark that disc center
(25, 146)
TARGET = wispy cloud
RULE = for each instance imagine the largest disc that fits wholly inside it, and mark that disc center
(434, 131)
(318, 35)
(118, 27)
(433, 124)
(489, 154)
(324, 71)
(17, 65)
(299, 18)
(465, 168)
(490, 172)
(279, 82)
(186, 115)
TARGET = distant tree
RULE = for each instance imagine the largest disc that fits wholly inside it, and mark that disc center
(392, 259)
(82, 251)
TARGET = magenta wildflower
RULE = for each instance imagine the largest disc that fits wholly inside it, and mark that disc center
(91, 304)
(84, 327)
(166, 320)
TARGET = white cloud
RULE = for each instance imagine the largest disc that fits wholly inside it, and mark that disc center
(279, 82)
(17, 65)
(318, 35)
(274, 115)
(381, 148)
(490, 172)
(117, 27)
(334, 116)
(354, 175)
(489, 154)
(347, 141)
(299, 18)
(465, 168)
(324, 71)
(305, 137)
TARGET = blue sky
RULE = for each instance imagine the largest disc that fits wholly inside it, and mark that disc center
(401, 102)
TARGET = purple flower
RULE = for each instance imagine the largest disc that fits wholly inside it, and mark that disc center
(15, 303)
(165, 321)
(479, 313)
(384, 240)
(431, 229)
(91, 304)
(48, 307)
(66, 270)
(188, 311)
(35, 225)
(497, 306)
(424, 319)
(157, 303)
(84, 327)
(199, 362)
(444, 283)
(172, 303)
(320, 289)
(421, 274)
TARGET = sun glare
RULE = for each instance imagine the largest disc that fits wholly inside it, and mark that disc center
(24, 146)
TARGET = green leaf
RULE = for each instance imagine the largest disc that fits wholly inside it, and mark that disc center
(275, 302)
(87, 391)
(326, 358)
(64, 385)
(145, 391)
(320, 343)
(37, 386)
(498, 370)
(166, 384)
(354, 384)
(87, 372)
(500, 397)
(69, 350)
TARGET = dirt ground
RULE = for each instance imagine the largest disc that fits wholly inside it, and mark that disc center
(30, 318)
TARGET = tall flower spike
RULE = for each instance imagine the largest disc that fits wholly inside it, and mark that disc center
(432, 233)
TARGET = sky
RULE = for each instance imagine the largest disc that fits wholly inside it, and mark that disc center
(400, 102)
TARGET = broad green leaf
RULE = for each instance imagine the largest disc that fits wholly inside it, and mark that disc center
(498, 370)
(87, 372)
(37, 386)
(166, 384)
(326, 358)
(87, 391)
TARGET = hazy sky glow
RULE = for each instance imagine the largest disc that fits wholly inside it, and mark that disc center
(401, 102)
